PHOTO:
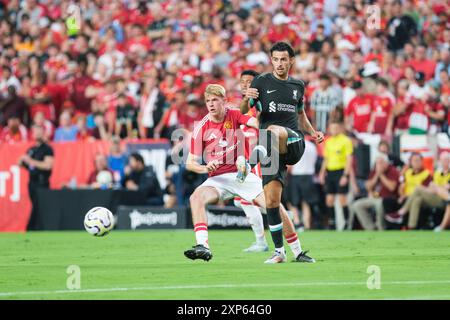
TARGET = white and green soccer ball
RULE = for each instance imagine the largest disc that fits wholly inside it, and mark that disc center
(99, 221)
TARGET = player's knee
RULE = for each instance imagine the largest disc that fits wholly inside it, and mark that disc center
(274, 130)
(272, 202)
(196, 198)
(330, 201)
(343, 200)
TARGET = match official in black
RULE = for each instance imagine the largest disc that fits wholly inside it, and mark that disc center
(39, 162)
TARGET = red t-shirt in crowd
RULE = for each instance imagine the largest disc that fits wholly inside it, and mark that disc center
(401, 121)
(426, 66)
(6, 136)
(360, 108)
(392, 174)
(219, 141)
(47, 108)
(188, 119)
(382, 108)
(78, 97)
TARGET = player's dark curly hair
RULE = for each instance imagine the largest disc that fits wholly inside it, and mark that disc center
(249, 72)
(282, 46)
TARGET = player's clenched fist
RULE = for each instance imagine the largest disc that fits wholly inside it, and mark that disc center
(213, 165)
(318, 136)
(251, 93)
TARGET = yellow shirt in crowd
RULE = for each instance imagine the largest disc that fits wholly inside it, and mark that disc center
(441, 179)
(412, 181)
(336, 151)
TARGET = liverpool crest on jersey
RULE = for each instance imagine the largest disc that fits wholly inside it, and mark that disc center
(294, 92)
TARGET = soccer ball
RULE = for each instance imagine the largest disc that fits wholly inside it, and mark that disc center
(99, 221)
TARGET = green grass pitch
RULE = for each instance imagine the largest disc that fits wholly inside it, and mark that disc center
(151, 265)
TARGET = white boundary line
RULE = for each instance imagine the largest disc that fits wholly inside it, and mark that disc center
(231, 286)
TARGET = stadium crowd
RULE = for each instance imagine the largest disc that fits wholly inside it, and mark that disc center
(138, 69)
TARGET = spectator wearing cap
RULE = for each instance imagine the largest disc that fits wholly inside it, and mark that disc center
(423, 112)
(324, 101)
(142, 178)
(358, 113)
(280, 30)
(428, 197)
(370, 73)
(381, 186)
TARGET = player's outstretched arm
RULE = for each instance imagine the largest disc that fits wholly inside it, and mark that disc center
(305, 125)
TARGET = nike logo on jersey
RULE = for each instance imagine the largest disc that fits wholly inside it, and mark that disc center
(270, 91)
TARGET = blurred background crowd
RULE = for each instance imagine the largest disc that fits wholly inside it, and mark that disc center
(138, 69)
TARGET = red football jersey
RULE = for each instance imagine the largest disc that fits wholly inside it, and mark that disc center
(251, 141)
(360, 109)
(382, 110)
(221, 141)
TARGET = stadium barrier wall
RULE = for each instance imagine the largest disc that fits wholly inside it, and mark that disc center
(148, 217)
(74, 161)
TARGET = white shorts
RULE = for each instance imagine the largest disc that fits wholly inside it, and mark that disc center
(228, 187)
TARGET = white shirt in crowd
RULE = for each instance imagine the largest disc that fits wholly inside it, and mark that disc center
(307, 164)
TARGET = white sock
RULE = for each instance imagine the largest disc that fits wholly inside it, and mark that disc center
(294, 244)
(256, 221)
(201, 234)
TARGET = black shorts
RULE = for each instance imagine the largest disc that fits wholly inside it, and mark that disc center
(295, 150)
(332, 183)
(302, 188)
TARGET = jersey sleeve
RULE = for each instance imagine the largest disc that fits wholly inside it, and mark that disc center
(48, 152)
(348, 150)
(197, 142)
(257, 84)
(349, 109)
(239, 117)
(301, 101)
